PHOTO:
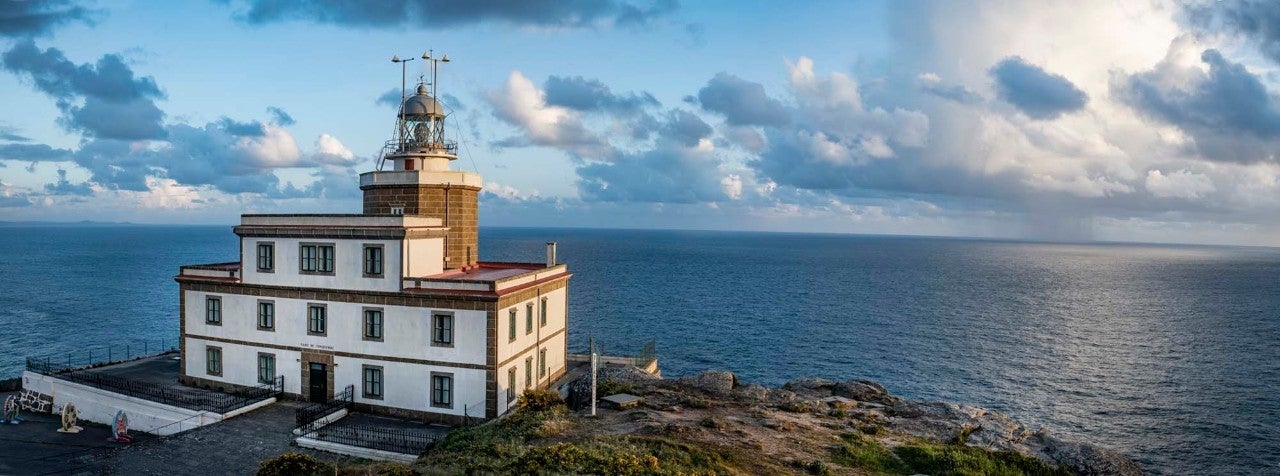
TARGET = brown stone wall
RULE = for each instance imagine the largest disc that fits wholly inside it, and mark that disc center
(456, 205)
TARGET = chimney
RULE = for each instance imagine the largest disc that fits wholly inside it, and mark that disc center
(551, 254)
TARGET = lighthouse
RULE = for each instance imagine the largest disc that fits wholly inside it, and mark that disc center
(415, 175)
(391, 308)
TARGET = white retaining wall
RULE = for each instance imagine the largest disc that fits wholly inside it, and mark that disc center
(100, 406)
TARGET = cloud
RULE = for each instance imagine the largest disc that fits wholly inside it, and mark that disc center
(33, 153)
(521, 104)
(11, 134)
(25, 18)
(931, 84)
(1178, 184)
(65, 187)
(279, 117)
(444, 13)
(102, 100)
(1034, 91)
(741, 102)
(11, 197)
(583, 94)
(664, 175)
(1256, 21)
(685, 128)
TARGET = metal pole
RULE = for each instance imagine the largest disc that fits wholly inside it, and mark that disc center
(594, 366)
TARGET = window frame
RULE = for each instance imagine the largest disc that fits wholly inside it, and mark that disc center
(382, 260)
(272, 359)
(543, 313)
(364, 324)
(258, 323)
(436, 318)
(432, 381)
(528, 318)
(511, 384)
(271, 256)
(324, 319)
(317, 258)
(209, 352)
(511, 324)
(365, 372)
(213, 313)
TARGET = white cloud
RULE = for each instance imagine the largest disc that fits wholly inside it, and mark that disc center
(1178, 184)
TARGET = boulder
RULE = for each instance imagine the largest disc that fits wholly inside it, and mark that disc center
(861, 390)
(1089, 460)
(810, 387)
(715, 382)
(751, 393)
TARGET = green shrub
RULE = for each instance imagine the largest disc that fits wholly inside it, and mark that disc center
(538, 399)
(293, 464)
(392, 469)
(614, 387)
(962, 437)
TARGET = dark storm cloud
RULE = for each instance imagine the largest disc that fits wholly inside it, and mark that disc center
(592, 95)
(102, 100)
(1257, 21)
(65, 187)
(1229, 112)
(741, 102)
(22, 18)
(279, 117)
(1034, 91)
(446, 13)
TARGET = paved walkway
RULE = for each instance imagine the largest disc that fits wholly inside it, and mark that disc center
(234, 446)
(36, 447)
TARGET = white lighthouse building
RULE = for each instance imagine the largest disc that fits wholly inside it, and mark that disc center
(393, 301)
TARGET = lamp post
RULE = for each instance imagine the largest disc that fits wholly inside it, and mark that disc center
(400, 126)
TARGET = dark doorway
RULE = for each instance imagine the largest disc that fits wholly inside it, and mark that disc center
(319, 383)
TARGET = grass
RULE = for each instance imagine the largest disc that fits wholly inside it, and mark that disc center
(859, 451)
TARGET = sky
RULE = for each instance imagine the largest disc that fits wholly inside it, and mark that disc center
(1153, 121)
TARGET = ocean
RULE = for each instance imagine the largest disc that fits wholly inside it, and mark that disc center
(1169, 354)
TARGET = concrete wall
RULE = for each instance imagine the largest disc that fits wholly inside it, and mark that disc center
(100, 406)
(348, 264)
(424, 256)
(513, 355)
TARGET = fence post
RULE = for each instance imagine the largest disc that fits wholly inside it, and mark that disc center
(109, 353)
(144, 347)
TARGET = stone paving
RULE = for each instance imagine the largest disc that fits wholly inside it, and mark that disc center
(36, 447)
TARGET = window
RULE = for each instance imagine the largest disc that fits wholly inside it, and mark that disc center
(442, 330)
(397, 209)
(528, 318)
(373, 261)
(511, 384)
(528, 372)
(441, 390)
(314, 258)
(372, 324)
(213, 361)
(542, 314)
(542, 363)
(265, 257)
(316, 319)
(372, 382)
(266, 315)
(266, 368)
(511, 326)
(213, 310)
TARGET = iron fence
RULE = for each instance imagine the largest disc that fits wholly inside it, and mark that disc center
(404, 441)
(647, 354)
(217, 402)
(308, 414)
(104, 355)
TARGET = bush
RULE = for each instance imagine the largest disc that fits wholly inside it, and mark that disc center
(945, 460)
(536, 400)
(392, 469)
(614, 387)
(292, 464)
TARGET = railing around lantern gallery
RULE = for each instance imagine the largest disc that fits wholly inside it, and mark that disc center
(306, 415)
(396, 440)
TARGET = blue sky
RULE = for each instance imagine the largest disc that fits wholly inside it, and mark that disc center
(1147, 121)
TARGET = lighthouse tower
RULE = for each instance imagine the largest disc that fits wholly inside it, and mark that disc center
(415, 178)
